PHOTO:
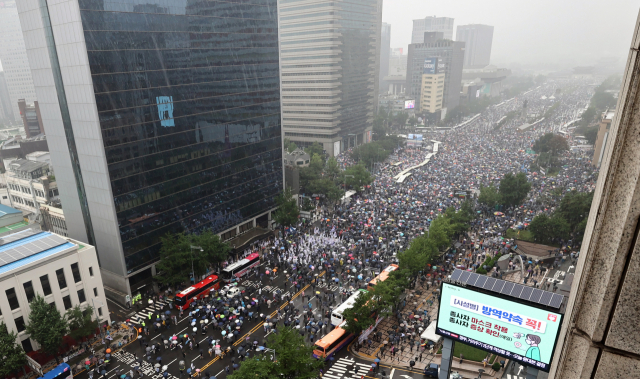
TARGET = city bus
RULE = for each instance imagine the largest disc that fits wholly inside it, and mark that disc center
(336, 315)
(382, 277)
(62, 371)
(196, 291)
(330, 344)
(240, 268)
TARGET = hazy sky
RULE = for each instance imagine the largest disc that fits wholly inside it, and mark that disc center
(542, 32)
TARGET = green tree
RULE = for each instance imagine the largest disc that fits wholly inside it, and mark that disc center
(546, 229)
(417, 256)
(440, 232)
(591, 134)
(46, 325)
(12, 355)
(588, 116)
(331, 169)
(287, 213)
(289, 146)
(489, 196)
(602, 100)
(316, 148)
(214, 250)
(292, 359)
(359, 315)
(400, 119)
(574, 208)
(413, 121)
(370, 153)
(551, 143)
(81, 322)
(379, 131)
(359, 176)
(514, 189)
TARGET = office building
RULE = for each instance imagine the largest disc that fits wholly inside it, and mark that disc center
(451, 57)
(329, 62)
(31, 118)
(432, 86)
(154, 126)
(603, 136)
(393, 104)
(63, 271)
(30, 185)
(477, 40)
(6, 111)
(443, 25)
(13, 56)
(385, 55)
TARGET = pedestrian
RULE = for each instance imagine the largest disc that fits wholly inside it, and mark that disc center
(461, 358)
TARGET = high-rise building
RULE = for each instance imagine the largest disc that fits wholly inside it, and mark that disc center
(31, 118)
(329, 63)
(162, 117)
(432, 86)
(13, 56)
(477, 39)
(432, 24)
(5, 101)
(451, 57)
(385, 55)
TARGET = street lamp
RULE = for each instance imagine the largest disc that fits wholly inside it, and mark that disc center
(93, 301)
(193, 274)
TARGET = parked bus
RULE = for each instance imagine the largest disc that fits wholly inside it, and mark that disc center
(62, 371)
(336, 315)
(241, 267)
(382, 277)
(327, 346)
(197, 291)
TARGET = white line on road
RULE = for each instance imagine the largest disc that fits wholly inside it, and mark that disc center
(393, 371)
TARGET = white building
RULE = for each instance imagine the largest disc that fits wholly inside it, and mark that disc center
(65, 272)
(30, 185)
(432, 24)
(13, 55)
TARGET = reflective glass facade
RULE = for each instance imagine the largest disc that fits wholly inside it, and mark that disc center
(188, 98)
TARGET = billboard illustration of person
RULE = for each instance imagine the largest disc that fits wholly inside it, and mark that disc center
(533, 352)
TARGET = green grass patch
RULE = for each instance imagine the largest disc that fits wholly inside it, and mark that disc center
(524, 235)
(468, 352)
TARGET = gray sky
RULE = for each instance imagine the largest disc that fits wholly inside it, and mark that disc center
(560, 33)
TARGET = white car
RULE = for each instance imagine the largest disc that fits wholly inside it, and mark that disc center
(232, 292)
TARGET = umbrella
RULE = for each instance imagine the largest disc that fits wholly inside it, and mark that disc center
(174, 338)
(87, 362)
(167, 312)
(108, 351)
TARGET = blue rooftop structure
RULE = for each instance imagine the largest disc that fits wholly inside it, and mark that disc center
(7, 210)
(28, 246)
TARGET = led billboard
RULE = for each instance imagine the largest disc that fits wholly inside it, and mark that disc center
(514, 330)
(409, 104)
(430, 66)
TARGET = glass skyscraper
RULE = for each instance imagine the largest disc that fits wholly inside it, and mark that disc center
(164, 117)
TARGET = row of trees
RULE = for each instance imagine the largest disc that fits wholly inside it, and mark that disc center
(600, 101)
(376, 151)
(512, 191)
(570, 218)
(47, 327)
(424, 250)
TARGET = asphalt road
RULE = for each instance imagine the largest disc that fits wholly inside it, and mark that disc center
(126, 359)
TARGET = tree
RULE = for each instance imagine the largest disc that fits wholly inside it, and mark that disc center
(587, 116)
(292, 359)
(401, 119)
(551, 143)
(288, 212)
(316, 148)
(12, 355)
(357, 176)
(331, 168)
(421, 251)
(379, 131)
(81, 322)
(46, 325)
(514, 189)
(440, 232)
(358, 317)
(546, 229)
(489, 196)
(289, 146)
(591, 134)
(574, 208)
(413, 121)
(214, 250)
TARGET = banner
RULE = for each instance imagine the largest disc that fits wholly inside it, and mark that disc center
(368, 331)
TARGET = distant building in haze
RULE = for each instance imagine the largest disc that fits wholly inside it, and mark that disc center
(477, 49)
(31, 118)
(432, 24)
(451, 57)
(6, 110)
(385, 55)
(603, 136)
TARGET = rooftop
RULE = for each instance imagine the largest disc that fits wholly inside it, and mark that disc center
(4, 209)
(27, 246)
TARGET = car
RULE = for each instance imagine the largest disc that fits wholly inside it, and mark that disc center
(232, 292)
(432, 370)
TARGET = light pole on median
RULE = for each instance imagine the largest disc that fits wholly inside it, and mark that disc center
(193, 274)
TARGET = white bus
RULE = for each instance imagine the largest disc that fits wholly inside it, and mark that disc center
(336, 315)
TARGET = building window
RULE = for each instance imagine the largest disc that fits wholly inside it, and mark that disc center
(81, 296)
(95, 292)
(62, 282)
(100, 312)
(28, 289)
(90, 271)
(13, 299)
(67, 302)
(76, 273)
(46, 287)
(26, 346)
(19, 324)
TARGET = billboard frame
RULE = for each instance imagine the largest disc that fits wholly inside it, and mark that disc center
(506, 298)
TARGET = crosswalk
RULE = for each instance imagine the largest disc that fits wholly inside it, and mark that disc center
(345, 368)
(155, 308)
(512, 376)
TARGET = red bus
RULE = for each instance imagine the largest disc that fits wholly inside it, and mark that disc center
(241, 267)
(197, 291)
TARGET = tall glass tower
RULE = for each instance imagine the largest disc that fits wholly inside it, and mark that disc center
(162, 116)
